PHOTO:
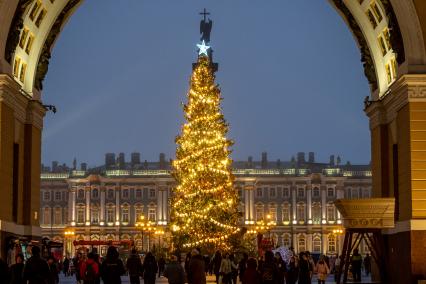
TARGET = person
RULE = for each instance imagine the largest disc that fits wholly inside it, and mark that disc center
(112, 267)
(217, 260)
(77, 261)
(292, 271)
(150, 268)
(281, 268)
(311, 265)
(242, 266)
(16, 270)
(174, 271)
(251, 275)
(337, 267)
(134, 267)
(196, 273)
(161, 265)
(356, 263)
(304, 269)
(53, 270)
(66, 266)
(89, 270)
(234, 269)
(4, 270)
(367, 264)
(269, 270)
(226, 270)
(36, 270)
(322, 270)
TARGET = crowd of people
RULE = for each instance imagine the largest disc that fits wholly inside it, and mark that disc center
(227, 268)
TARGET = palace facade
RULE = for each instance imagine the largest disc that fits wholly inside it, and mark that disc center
(105, 203)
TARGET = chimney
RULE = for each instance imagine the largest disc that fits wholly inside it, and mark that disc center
(331, 160)
(109, 160)
(300, 158)
(250, 162)
(162, 164)
(121, 161)
(338, 160)
(135, 158)
(54, 166)
(264, 162)
(279, 164)
(311, 158)
(83, 166)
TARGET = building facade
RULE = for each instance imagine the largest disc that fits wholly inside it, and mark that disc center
(297, 196)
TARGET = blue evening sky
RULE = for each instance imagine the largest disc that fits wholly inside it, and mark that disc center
(289, 71)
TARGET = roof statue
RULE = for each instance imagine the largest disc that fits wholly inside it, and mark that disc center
(205, 27)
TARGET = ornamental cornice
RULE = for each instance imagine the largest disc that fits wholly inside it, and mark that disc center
(35, 114)
(11, 96)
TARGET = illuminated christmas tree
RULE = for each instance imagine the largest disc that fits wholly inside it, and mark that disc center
(204, 205)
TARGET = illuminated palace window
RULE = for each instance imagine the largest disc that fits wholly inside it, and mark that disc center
(29, 44)
(57, 216)
(331, 212)
(316, 213)
(286, 192)
(152, 213)
(16, 66)
(138, 212)
(286, 240)
(34, 11)
(23, 38)
(95, 193)
(46, 196)
(58, 195)
(80, 193)
(301, 192)
(316, 192)
(301, 211)
(286, 212)
(273, 211)
(40, 17)
(316, 244)
(152, 193)
(110, 213)
(94, 212)
(138, 193)
(259, 212)
(301, 244)
(272, 192)
(46, 215)
(22, 72)
(259, 192)
(331, 243)
(125, 213)
(330, 192)
(110, 193)
(80, 214)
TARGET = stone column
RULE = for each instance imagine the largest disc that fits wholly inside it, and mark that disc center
(117, 204)
(309, 203)
(72, 207)
(87, 191)
(293, 204)
(324, 243)
(340, 194)
(323, 205)
(249, 201)
(102, 213)
(309, 242)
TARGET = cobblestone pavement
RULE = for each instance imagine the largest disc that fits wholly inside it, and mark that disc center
(163, 280)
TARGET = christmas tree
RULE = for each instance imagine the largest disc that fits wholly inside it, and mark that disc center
(204, 204)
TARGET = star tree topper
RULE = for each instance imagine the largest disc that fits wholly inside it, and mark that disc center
(203, 48)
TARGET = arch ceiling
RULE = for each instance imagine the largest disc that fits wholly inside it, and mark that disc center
(29, 29)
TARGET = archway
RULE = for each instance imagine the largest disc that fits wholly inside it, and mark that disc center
(391, 36)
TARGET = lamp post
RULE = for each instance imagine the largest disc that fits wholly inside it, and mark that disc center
(159, 233)
(144, 225)
(68, 235)
(338, 233)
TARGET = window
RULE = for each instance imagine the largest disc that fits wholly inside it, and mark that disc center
(331, 243)
(46, 196)
(371, 18)
(259, 212)
(393, 64)
(355, 193)
(94, 215)
(152, 193)
(387, 38)
(382, 45)
(330, 192)
(125, 214)
(316, 213)
(29, 44)
(301, 243)
(66, 215)
(273, 212)
(366, 193)
(80, 214)
(376, 12)
(286, 212)
(301, 211)
(23, 38)
(301, 192)
(16, 66)
(22, 73)
(46, 215)
(40, 17)
(286, 240)
(58, 195)
(331, 216)
(95, 193)
(35, 9)
(138, 212)
(80, 193)
(138, 193)
(316, 244)
(286, 192)
(57, 216)
(316, 192)
(110, 214)
(110, 193)
(152, 214)
(125, 193)
(272, 192)
(259, 192)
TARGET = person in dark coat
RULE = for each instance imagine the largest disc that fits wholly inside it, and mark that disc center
(367, 264)
(4, 270)
(53, 271)
(66, 266)
(217, 261)
(16, 270)
(36, 270)
(134, 266)
(251, 275)
(196, 273)
(174, 271)
(161, 265)
(304, 269)
(242, 266)
(150, 268)
(292, 271)
(269, 270)
(112, 267)
(281, 267)
(356, 263)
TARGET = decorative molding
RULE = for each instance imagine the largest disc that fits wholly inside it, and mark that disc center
(15, 29)
(11, 96)
(396, 40)
(22, 230)
(407, 226)
(35, 114)
(45, 55)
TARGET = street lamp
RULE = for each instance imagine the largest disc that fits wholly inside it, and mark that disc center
(68, 235)
(145, 225)
(159, 233)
